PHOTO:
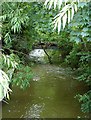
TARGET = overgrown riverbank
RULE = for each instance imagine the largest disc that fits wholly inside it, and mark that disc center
(25, 24)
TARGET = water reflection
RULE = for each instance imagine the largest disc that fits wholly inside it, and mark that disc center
(51, 95)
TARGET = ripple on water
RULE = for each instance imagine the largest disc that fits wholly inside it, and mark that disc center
(36, 78)
(51, 96)
(34, 111)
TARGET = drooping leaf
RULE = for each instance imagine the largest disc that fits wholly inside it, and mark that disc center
(75, 7)
(64, 20)
(50, 4)
(59, 25)
(72, 13)
(59, 4)
(68, 16)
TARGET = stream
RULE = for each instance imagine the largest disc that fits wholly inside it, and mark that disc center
(50, 95)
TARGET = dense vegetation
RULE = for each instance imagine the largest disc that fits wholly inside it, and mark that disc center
(24, 24)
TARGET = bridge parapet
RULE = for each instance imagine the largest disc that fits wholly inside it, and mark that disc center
(48, 45)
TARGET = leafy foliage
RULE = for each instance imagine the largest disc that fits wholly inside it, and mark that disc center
(14, 18)
(65, 15)
(16, 15)
(81, 28)
(86, 101)
(80, 55)
(8, 64)
(9, 61)
(4, 85)
(22, 76)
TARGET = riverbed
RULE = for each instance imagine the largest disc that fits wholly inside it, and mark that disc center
(50, 95)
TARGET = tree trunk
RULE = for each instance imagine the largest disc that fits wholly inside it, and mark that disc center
(49, 58)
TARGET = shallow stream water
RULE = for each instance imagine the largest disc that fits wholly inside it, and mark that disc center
(50, 95)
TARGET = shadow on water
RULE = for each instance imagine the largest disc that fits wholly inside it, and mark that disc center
(50, 95)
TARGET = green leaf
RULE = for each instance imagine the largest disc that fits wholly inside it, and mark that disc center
(82, 4)
(59, 25)
(68, 15)
(64, 20)
(72, 13)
